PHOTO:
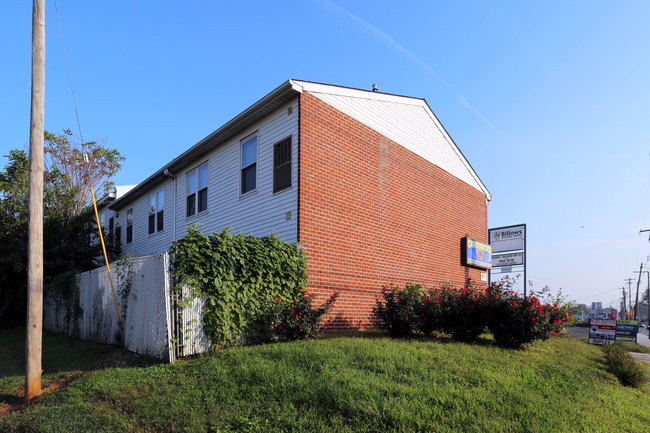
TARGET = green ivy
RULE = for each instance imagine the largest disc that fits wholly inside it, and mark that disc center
(238, 275)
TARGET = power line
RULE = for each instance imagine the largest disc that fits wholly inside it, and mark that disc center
(67, 65)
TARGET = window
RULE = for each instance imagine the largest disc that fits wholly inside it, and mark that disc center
(129, 226)
(249, 165)
(282, 165)
(197, 190)
(156, 211)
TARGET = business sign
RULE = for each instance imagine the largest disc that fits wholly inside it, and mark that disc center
(507, 238)
(478, 254)
(627, 328)
(602, 331)
(507, 259)
(509, 255)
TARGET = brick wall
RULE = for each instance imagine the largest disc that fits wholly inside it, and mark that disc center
(373, 213)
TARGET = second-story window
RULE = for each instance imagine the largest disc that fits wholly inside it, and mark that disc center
(197, 190)
(282, 165)
(249, 164)
(129, 226)
(156, 211)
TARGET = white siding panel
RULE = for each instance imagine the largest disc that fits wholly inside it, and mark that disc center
(144, 243)
(258, 213)
(411, 124)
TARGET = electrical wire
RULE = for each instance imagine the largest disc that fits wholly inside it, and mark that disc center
(67, 65)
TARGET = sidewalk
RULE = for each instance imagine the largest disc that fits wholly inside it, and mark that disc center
(643, 340)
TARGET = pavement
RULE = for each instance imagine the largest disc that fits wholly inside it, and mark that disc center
(642, 339)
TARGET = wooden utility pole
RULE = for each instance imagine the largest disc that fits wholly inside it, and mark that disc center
(629, 293)
(636, 302)
(638, 283)
(35, 229)
(624, 304)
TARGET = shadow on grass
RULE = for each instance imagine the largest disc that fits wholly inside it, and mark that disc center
(61, 353)
(63, 360)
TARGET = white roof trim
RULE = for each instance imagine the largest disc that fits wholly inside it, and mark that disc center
(326, 89)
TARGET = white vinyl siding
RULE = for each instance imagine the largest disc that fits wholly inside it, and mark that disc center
(144, 244)
(259, 214)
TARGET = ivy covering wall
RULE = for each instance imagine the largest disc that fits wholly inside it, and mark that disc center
(241, 277)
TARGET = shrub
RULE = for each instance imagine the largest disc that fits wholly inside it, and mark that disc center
(623, 366)
(515, 321)
(239, 276)
(466, 312)
(400, 310)
(296, 319)
(461, 312)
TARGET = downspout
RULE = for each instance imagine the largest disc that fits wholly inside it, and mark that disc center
(168, 174)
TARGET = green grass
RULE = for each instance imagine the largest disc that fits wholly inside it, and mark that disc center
(368, 383)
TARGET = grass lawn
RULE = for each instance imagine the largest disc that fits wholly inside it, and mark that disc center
(368, 383)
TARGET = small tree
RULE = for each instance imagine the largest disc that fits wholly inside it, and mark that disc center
(67, 221)
(71, 177)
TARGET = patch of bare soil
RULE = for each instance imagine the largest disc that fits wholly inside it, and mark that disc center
(17, 401)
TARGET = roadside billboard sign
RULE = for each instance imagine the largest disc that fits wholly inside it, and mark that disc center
(627, 328)
(602, 331)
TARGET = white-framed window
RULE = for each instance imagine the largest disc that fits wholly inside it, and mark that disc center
(197, 190)
(156, 212)
(249, 164)
(282, 165)
(129, 226)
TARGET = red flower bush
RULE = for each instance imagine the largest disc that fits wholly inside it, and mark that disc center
(466, 312)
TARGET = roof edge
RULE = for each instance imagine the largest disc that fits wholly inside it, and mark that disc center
(280, 95)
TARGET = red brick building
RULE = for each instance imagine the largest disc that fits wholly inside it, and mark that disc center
(370, 183)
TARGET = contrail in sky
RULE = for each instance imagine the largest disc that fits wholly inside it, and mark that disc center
(379, 34)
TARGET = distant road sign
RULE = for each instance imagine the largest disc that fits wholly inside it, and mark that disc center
(602, 331)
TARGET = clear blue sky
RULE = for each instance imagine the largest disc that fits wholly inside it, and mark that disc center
(549, 101)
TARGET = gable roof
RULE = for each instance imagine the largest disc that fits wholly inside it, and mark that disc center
(417, 129)
(407, 121)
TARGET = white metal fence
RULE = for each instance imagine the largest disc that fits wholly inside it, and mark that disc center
(151, 322)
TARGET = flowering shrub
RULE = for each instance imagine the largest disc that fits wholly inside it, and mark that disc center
(296, 319)
(462, 311)
(466, 312)
(400, 310)
(515, 321)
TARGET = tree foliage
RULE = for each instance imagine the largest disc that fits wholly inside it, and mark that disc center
(68, 221)
(71, 176)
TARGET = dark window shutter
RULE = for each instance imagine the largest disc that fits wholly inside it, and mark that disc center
(282, 165)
